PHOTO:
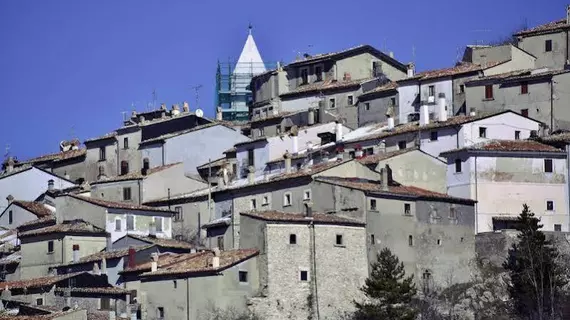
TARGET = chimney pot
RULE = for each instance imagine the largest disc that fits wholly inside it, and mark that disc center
(185, 107)
(10, 198)
(10, 164)
(424, 114)
(163, 106)
(215, 262)
(251, 174)
(311, 117)
(75, 253)
(131, 258)
(390, 123)
(152, 229)
(51, 184)
(411, 70)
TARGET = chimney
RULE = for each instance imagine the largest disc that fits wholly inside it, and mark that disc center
(109, 244)
(295, 141)
(141, 119)
(391, 54)
(311, 117)
(309, 209)
(96, 269)
(219, 113)
(104, 264)
(152, 229)
(251, 174)
(216, 258)
(175, 110)
(131, 258)
(384, 181)
(76, 253)
(424, 114)
(441, 105)
(153, 262)
(287, 157)
(185, 107)
(50, 184)
(220, 176)
(10, 198)
(145, 168)
(134, 114)
(10, 164)
(338, 131)
(163, 106)
(390, 123)
(411, 69)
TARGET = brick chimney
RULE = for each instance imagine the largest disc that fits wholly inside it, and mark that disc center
(131, 258)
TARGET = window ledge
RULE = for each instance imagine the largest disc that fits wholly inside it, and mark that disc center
(101, 160)
(287, 205)
(340, 246)
(373, 210)
(490, 99)
(51, 252)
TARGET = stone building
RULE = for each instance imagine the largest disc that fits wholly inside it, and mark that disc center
(503, 175)
(548, 42)
(431, 233)
(378, 104)
(540, 94)
(311, 265)
(68, 163)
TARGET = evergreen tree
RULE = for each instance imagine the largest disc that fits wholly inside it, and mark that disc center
(389, 291)
(536, 278)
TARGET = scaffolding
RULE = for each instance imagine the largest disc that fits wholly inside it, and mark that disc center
(232, 87)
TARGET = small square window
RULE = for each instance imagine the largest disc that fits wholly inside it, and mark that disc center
(179, 213)
(433, 136)
(287, 199)
(461, 88)
(350, 100)
(102, 154)
(548, 45)
(307, 195)
(332, 103)
(457, 165)
(401, 145)
(524, 112)
(253, 204)
(339, 241)
(557, 227)
(117, 224)
(242, 276)
(550, 205)
(126, 194)
(50, 246)
(517, 135)
(126, 143)
(105, 304)
(431, 91)
(304, 275)
(40, 301)
(367, 106)
(373, 204)
(393, 102)
(482, 132)
(548, 165)
(292, 238)
(407, 209)
(265, 201)
(524, 87)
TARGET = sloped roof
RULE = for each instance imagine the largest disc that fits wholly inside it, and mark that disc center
(37, 208)
(163, 242)
(319, 218)
(108, 255)
(164, 259)
(59, 156)
(178, 133)
(77, 226)
(550, 27)
(375, 158)
(390, 86)
(508, 146)
(105, 136)
(518, 75)
(37, 282)
(325, 85)
(96, 290)
(40, 221)
(137, 175)
(117, 205)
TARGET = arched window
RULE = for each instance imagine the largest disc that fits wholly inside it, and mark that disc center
(124, 167)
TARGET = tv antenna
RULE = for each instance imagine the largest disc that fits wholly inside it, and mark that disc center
(477, 42)
(196, 91)
(154, 98)
(7, 152)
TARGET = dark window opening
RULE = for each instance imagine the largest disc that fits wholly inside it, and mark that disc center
(461, 88)
(126, 143)
(179, 212)
(350, 100)
(124, 167)
(146, 163)
(118, 225)
(517, 135)
(160, 312)
(332, 103)
(431, 91)
(524, 112)
(482, 132)
(220, 242)
(393, 102)
(40, 301)
(292, 239)
(410, 240)
(250, 159)
(557, 227)
(433, 136)
(372, 240)
(304, 76)
(407, 209)
(304, 275)
(130, 222)
(339, 240)
(550, 205)
(10, 217)
(102, 155)
(457, 165)
(50, 246)
(524, 87)
(126, 194)
(158, 223)
(242, 276)
(319, 73)
(548, 45)
(367, 106)
(401, 145)
(489, 92)
(105, 304)
(373, 204)
(548, 165)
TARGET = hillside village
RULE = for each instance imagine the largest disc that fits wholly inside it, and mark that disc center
(177, 216)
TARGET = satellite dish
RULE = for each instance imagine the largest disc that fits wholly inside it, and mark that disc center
(199, 113)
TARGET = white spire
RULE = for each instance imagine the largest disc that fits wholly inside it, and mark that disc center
(250, 60)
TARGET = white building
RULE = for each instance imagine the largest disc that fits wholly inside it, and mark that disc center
(503, 175)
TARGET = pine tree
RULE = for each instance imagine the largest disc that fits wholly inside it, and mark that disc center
(389, 291)
(536, 278)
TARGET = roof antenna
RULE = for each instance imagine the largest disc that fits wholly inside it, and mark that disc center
(7, 152)
(196, 89)
(154, 98)
(249, 28)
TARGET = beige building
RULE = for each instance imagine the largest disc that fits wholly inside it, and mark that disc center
(311, 265)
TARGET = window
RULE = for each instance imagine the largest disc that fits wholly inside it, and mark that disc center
(557, 227)
(550, 205)
(318, 73)
(158, 223)
(369, 151)
(250, 161)
(242, 276)
(292, 239)
(101, 171)
(160, 311)
(117, 224)
(373, 204)
(50, 246)
(461, 88)
(124, 167)
(350, 100)
(146, 163)
(548, 165)
(278, 129)
(261, 132)
(179, 213)
(287, 199)
(439, 242)
(175, 284)
(457, 165)
(307, 195)
(265, 201)
(127, 193)
(40, 301)
(392, 101)
(332, 103)
(367, 106)
(352, 154)
(482, 132)
(10, 217)
(431, 91)
(517, 135)
(433, 136)
(410, 240)
(407, 209)
(339, 241)
(304, 275)
(401, 145)
(126, 143)
(105, 304)
(220, 241)
(102, 156)
(452, 213)
(130, 222)
(489, 92)
(524, 87)
(372, 240)
(253, 204)
(524, 112)
(304, 76)
(548, 45)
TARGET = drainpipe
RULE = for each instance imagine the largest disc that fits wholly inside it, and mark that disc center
(568, 173)
(140, 192)
(163, 154)
(187, 299)
(476, 197)
(551, 106)
(314, 262)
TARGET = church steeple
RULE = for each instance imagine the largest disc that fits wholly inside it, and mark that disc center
(249, 61)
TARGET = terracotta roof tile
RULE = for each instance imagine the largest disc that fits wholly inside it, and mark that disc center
(163, 242)
(37, 208)
(322, 218)
(213, 163)
(325, 85)
(105, 136)
(390, 86)
(519, 75)
(560, 137)
(46, 220)
(164, 260)
(59, 156)
(117, 205)
(67, 227)
(508, 146)
(97, 290)
(549, 27)
(375, 158)
(136, 175)
(174, 134)
(49, 316)
(201, 262)
(36, 282)
(108, 255)
(462, 68)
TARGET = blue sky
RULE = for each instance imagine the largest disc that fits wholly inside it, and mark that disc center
(70, 68)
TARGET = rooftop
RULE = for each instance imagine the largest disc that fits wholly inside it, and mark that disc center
(507, 146)
(96, 290)
(199, 263)
(390, 86)
(559, 137)
(137, 175)
(76, 227)
(164, 260)
(116, 205)
(461, 68)
(105, 136)
(214, 163)
(40, 221)
(49, 316)
(59, 156)
(375, 158)
(519, 75)
(175, 134)
(320, 218)
(163, 242)
(36, 282)
(550, 27)
(325, 85)
(37, 208)
(108, 255)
